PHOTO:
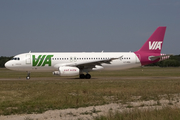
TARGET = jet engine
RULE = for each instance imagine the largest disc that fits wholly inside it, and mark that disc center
(67, 71)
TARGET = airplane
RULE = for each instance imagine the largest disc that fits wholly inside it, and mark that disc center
(78, 63)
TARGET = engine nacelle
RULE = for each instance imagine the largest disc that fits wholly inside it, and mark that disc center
(67, 71)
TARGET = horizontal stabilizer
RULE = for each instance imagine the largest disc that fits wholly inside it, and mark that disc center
(161, 57)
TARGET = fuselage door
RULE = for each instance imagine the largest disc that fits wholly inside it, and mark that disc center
(28, 58)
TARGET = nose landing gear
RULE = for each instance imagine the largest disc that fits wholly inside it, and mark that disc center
(28, 76)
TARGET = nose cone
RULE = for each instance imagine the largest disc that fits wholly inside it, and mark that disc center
(12, 65)
(7, 65)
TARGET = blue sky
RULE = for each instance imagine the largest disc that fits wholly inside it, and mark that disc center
(86, 25)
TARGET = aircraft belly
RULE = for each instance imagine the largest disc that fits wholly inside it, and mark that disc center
(120, 67)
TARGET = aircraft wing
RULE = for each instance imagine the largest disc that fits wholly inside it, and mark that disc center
(92, 64)
(152, 58)
(89, 64)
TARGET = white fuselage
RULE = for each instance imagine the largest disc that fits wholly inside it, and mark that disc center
(51, 61)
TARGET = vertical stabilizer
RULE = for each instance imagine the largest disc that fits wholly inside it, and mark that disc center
(155, 41)
(150, 52)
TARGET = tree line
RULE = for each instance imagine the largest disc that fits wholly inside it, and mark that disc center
(3, 60)
(173, 61)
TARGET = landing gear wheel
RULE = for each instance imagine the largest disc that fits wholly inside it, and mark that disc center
(28, 77)
(88, 76)
(81, 76)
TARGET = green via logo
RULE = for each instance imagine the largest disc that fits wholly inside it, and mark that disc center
(42, 60)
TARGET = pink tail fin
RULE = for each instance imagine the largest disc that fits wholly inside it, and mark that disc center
(150, 52)
(155, 41)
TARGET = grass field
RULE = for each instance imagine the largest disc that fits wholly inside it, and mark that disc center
(47, 92)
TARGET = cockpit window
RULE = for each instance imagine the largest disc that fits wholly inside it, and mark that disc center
(16, 58)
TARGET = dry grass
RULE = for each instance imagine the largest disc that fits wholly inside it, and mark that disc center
(136, 114)
(46, 92)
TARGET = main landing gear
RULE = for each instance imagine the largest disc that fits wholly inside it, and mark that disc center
(87, 76)
(28, 76)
